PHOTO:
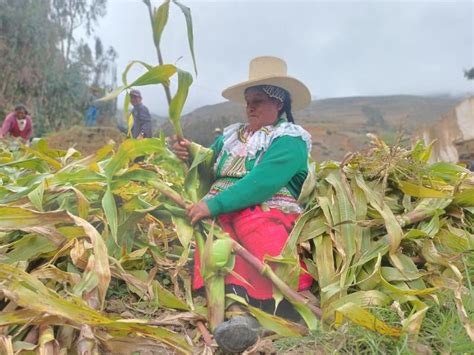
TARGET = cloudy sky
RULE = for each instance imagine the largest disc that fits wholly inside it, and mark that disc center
(338, 48)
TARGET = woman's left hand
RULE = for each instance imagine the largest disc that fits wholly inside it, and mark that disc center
(198, 211)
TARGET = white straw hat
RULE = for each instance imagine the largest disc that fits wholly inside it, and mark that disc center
(270, 71)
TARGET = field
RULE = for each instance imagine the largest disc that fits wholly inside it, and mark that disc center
(96, 255)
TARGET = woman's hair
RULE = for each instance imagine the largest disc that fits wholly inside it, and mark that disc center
(22, 107)
(287, 108)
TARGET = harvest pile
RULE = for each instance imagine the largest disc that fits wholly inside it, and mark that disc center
(81, 234)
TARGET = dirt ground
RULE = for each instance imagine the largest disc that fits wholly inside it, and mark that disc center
(86, 140)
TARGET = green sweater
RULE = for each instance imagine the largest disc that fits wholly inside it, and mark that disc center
(285, 163)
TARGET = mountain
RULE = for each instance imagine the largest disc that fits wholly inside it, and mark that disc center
(337, 125)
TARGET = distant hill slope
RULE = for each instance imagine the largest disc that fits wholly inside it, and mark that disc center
(337, 125)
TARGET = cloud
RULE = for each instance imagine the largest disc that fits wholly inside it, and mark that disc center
(337, 48)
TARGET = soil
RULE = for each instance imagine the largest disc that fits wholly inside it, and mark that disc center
(86, 140)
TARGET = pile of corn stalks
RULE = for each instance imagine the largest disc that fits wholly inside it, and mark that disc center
(382, 228)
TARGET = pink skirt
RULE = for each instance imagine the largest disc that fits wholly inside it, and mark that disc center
(261, 233)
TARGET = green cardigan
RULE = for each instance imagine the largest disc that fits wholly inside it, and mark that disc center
(285, 163)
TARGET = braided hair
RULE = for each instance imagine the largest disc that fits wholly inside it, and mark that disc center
(287, 108)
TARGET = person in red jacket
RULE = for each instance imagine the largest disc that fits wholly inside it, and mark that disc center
(17, 124)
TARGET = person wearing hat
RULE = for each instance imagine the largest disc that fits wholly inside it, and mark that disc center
(217, 132)
(17, 124)
(259, 169)
(141, 116)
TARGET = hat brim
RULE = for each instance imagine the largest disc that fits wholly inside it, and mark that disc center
(300, 95)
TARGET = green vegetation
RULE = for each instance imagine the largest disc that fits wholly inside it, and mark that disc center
(442, 333)
(374, 116)
(80, 235)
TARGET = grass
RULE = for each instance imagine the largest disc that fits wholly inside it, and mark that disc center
(442, 333)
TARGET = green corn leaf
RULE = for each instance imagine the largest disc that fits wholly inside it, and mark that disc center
(309, 184)
(313, 228)
(422, 153)
(52, 162)
(113, 94)
(362, 299)
(401, 288)
(15, 217)
(412, 324)
(415, 233)
(450, 172)
(198, 178)
(368, 277)
(36, 196)
(465, 198)
(324, 259)
(110, 209)
(177, 103)
(129, 66)
(184, 230)
(274, 323)
(394, 230)
(376, 249)
(189, 25)
(127, 116)
(98, 263)
(156, 75)
(167, 298)
(129, 150)
(392, 274)
(364, 318)
(455, 239)
(35, 164)
(346, 231)
(160, 18)
(28, 248)
(421, 191)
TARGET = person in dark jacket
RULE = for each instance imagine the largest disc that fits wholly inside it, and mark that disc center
(141, 117)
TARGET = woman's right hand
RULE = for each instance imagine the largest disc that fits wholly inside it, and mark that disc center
(180, 147)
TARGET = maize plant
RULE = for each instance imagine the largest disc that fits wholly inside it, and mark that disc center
(380, 228)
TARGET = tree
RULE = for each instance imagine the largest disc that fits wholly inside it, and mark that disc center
(45, 66)
(469, 74)
(27, 46)
(70, 15)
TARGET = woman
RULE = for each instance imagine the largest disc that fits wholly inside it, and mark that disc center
(259, 170)
(17, 124)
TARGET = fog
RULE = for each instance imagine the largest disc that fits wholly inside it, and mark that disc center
(337, 48)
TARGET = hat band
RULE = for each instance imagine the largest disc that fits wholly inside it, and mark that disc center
(272, 91)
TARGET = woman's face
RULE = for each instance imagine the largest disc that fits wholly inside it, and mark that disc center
(20, 114)
(261, 109)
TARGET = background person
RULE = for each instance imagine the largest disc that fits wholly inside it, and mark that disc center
(17, 124)
(259, 171)
(141, 117)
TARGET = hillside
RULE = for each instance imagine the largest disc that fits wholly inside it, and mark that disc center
(337, 125)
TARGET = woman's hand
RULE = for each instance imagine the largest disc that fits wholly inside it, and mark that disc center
(198, 211)
(180, 147)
